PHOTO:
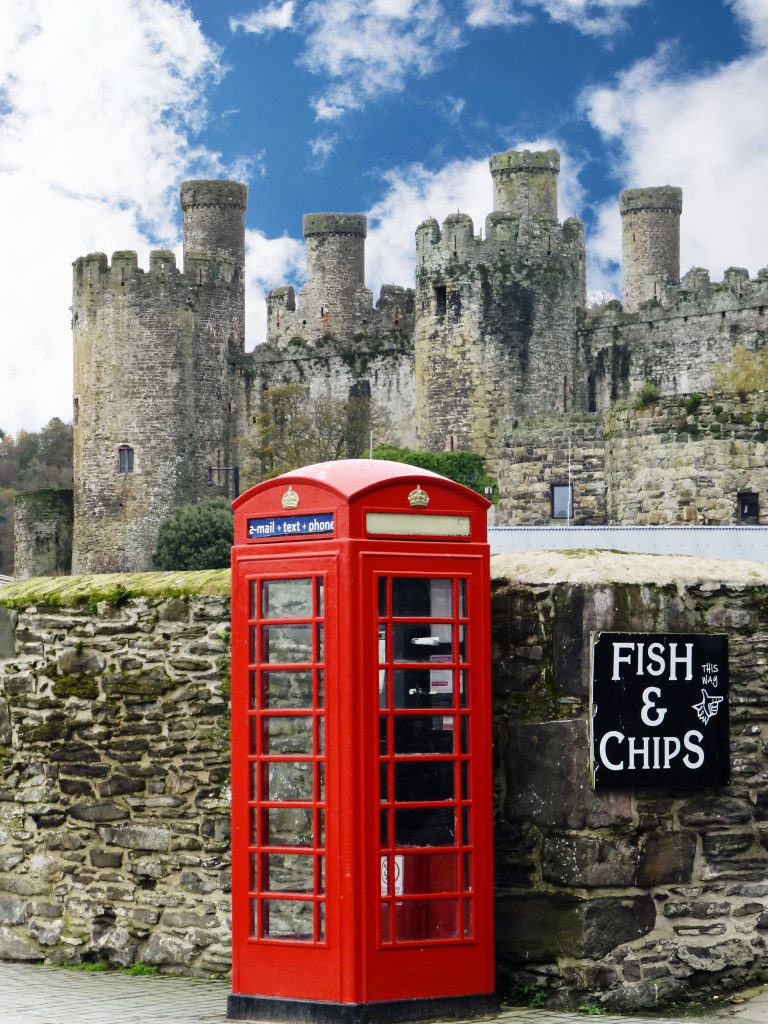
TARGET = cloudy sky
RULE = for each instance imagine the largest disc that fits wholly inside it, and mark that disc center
(389, 107)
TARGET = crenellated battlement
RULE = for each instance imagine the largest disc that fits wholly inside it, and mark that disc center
(96, 272)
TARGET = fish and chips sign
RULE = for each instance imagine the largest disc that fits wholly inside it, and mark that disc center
(659, 710)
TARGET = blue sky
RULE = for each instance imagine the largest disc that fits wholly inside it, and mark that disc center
(387, 107)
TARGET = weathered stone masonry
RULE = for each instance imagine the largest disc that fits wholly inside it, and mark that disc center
(113, 786)
(114, 821)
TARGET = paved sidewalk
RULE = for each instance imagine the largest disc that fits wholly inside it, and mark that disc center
(50, 995)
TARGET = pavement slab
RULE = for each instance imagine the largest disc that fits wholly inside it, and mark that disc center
(31, 994)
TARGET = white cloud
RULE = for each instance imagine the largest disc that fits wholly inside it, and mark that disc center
(592, 17)
(321, 148)
(269, 263)
(705, 131)
(367, 49)
(272, 18)
(98, 107)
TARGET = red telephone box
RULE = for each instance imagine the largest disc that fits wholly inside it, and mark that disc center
(362, 874)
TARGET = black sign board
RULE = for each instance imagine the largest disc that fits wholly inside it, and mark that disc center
(659, 710)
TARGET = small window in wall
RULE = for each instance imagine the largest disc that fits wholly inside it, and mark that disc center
(441, 299)
(125, 459)
(562, 501)
(75, 410)
(749, 508)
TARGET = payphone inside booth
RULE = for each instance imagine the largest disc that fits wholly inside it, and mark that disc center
(362, 849)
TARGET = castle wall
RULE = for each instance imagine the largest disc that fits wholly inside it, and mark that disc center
(675, 342)
(535, 455)
(495, 328)
(681, 461)
(114, 768)
(678, 461)
(42, 533)
(383, 370)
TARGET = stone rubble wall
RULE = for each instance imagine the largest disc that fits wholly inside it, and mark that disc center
(623, 899)
(114, 766)
(114, 787)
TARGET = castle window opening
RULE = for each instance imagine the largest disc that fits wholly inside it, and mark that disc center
(125, 459)
(75, 410)
(749, 508)
(561, 501)
(440, 297)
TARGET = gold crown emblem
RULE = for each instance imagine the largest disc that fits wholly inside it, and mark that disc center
(418, 498)
(290, 498)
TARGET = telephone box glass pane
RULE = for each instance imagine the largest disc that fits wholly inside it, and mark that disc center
(416, 920)
(320, 611)
(422, 641)
(288, 872)
(286, 599)
(288, 919)
(424, 734)
(416, 597)
(467, 872)
(321, 922)
(423, 687)
(254, 858)
(288, 780)
(468, 923)
(424, 780)
(382, 596)
(288, 826)
(287, 734)
(286, 645)
(287, 689)
(425, 826)
(427, 873)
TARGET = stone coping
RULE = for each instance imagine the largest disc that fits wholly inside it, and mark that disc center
(601, 566)
(545, 567)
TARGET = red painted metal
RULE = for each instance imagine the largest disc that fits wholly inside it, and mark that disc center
(361, 774)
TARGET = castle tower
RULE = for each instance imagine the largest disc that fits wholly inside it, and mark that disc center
(214, 224)
(496, 318)
(334, 302)
(650, 226)
(152, 403)
(525, 183)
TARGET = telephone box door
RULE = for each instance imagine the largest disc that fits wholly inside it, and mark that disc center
(428, 713)
(285, 824)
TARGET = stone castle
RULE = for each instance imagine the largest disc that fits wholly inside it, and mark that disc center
(494, 351)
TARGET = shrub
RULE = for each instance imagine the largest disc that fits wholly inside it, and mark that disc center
(195, 536)
(648, 394)
(465, 468)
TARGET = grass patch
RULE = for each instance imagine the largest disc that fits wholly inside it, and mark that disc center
(115, 588)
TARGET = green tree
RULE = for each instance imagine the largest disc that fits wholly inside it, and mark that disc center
(30, 461)
(745, 371)
(196, 536)
(465, 468)
(295, 429)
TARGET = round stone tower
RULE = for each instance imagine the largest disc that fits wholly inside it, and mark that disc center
(151, 405)
(650, 227)
(214, 223)
(334, 300)
(525, 183)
